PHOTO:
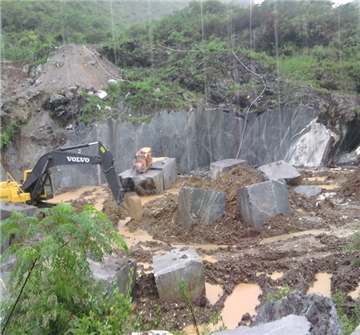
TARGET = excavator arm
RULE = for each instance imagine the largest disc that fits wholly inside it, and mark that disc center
(40, 174)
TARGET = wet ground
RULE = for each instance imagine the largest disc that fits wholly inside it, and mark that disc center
(306, 250)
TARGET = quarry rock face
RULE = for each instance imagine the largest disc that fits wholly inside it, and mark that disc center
(181, 135)
(118, 270)
(291, 324)
(259, 202)
(197, 205)
(312, 146)
(176, 268)
(318, 310)
(280, 170)
(350, 158)
(308, 190)
(219, 167)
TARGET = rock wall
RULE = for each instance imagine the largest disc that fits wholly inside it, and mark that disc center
(195, 138)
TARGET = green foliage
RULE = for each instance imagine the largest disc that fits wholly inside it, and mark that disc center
(112, 315)
(349, 319)
(31, 29)
(7, 134)
(280, 293)
(60, 289)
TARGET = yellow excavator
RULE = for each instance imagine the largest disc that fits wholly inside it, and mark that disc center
(37, 184)
(11, 191)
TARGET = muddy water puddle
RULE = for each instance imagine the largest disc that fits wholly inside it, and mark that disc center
(284, 237)
(243, 299)
(209, 258)
(355, 294)
(93, 194)
(321, 285)
(274, 275)
(213, 292)
(139, 235)
(321, 181)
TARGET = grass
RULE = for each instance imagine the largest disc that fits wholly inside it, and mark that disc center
(349, 321)
(299, 68)
(7, 134)
(280, 293)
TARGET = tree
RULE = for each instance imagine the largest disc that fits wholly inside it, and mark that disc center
(52, 270)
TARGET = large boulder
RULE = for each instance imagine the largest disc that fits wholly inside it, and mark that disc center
(280, 170)
(318, 310)
(114, 270)
(259, 202)
(288, 325)
(197, 205)
(312, 147)
(219, 167)
(178, 267)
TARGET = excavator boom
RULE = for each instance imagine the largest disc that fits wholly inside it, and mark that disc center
(40, 175)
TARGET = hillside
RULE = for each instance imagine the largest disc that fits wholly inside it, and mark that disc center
(30, 29)
(192, 52)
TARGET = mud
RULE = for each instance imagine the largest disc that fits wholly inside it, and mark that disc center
(351, 187)
(293, 250)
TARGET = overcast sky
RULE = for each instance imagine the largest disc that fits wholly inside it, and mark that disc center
(337, 2)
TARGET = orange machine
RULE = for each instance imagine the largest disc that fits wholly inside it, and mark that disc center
(143, 160)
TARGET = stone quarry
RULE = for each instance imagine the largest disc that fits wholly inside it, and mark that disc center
(234, 211)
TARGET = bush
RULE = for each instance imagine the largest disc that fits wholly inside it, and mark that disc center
(51, 259)
(7, 134)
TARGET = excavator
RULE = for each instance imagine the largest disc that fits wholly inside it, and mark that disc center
(37, 185)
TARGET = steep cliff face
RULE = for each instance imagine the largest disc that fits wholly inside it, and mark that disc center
(195, 138)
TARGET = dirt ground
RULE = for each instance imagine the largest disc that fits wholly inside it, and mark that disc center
(292, 250)
(75, 65)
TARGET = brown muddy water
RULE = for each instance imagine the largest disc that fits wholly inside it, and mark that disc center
(243, 299)
(321, 285)
(213, 292)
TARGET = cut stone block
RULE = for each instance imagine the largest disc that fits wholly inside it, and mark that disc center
(219, 167)
(308, 190)
(280, 170)
(290, 324)
(118, 270)
(7, 208)
(259, 202)
(178, 267)
(150, 182)
(197, 205)
(168, 167)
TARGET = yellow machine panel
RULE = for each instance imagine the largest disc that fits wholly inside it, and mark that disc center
(10, 191)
